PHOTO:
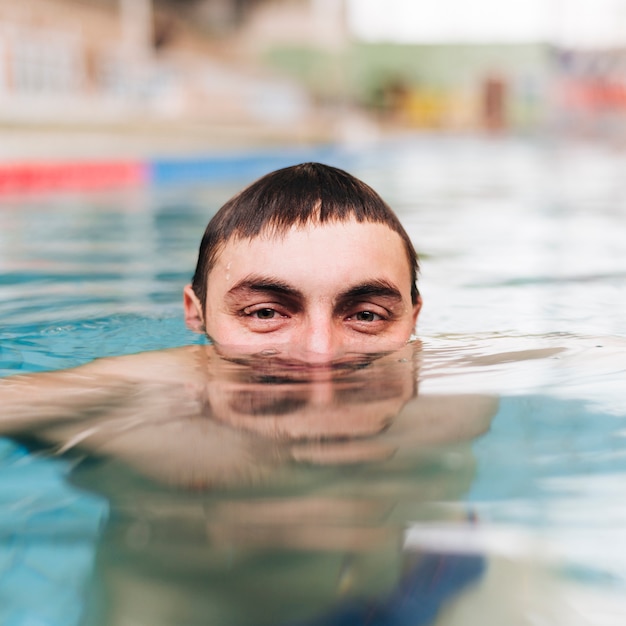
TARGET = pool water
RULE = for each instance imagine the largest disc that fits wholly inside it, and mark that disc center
(496, 496)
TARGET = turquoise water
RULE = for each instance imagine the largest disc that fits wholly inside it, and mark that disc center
(506, 507)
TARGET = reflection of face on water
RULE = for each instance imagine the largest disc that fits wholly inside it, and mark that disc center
(297, 485)
(288, 402)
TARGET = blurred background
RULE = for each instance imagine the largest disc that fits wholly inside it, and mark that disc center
(135, 77)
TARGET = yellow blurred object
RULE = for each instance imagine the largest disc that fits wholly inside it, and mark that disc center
(427, 109)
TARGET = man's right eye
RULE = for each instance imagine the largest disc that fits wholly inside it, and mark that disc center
(264, 318)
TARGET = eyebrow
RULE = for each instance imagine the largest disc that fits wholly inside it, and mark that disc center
(378, 288)
(371, 289)
(264, 284)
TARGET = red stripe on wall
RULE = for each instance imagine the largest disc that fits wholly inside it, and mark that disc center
(71, 176)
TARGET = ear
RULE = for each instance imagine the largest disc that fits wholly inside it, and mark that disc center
(194, 317)
(417, 307)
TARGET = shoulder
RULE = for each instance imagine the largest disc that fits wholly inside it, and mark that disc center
(165, 366)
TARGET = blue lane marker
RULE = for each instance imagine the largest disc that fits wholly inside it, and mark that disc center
(185, 170)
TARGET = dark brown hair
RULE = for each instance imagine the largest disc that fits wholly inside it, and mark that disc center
(309, 193)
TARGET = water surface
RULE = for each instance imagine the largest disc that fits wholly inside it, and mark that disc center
(485, 483)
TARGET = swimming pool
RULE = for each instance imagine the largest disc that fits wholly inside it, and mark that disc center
(520, 521)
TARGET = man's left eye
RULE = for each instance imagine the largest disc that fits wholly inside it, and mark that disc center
(367, 316)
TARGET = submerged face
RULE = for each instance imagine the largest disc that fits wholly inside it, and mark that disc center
(316, 295)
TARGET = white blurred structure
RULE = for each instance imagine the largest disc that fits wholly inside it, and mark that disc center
(316, 23)
(99, 61)
(204, 62)
(137, 28)
(576, 23)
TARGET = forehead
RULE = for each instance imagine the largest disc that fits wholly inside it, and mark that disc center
(326, 252)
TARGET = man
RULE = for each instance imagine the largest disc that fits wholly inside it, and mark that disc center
(308, 262)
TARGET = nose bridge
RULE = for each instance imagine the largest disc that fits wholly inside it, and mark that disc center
(322, 339)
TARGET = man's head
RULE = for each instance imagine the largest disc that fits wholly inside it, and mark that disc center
(302, 245)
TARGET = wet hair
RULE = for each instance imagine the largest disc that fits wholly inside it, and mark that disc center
(300, 195)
